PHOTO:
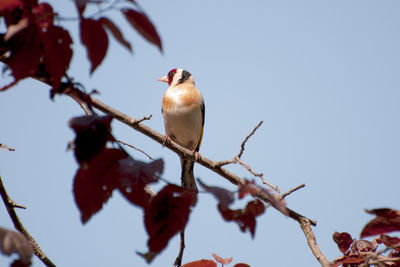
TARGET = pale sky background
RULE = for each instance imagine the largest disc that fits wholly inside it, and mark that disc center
(322, 75)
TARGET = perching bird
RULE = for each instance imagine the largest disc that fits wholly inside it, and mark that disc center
(183, 112)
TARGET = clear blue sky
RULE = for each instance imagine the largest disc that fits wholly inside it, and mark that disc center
(322, 75)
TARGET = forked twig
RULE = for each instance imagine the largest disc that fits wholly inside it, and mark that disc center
(237, 159)
(10, 205)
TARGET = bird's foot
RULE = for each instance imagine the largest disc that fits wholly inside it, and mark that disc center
(196, 155)
(167, 139)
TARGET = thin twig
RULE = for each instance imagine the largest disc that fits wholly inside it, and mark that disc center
(10, 205)
(237, 159)
(292, 190)
(138, 149)
(178, 260)
(145, 118)
(3, 146)
(260, 175)
(247, 138)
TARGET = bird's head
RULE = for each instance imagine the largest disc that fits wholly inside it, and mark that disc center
(176, 77)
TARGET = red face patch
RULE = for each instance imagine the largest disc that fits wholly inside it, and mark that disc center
(171, 75)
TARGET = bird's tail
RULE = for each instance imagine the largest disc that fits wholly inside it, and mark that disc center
(187, 176)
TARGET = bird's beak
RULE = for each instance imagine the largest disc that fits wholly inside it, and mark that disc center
(163, 79)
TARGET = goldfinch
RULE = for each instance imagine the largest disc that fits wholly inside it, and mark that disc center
(183, 112)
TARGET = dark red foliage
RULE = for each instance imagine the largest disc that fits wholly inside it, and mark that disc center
(386, 221)
(352, 259)
(13, 242)
(248, 188)
(251, 188)
(92, 133)
(167, 214)
(241, 265)
(19, 263)
(111, 169)
(108, 24)
(134, 176)
(360, 246)
(10, 4)
(221, 260)
(57, 52)
(143, 25)
(94, 37)
(343, 240)
(34, 41)
(224, 196)
(389, 241)
(246, 219)
(201, 263)
(94, 184)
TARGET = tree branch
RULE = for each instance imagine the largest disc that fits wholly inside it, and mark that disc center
(3, 146)
(312, 243)
(10, 205)
(305, 223)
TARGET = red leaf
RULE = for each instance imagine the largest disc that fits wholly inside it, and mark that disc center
(18, 263)
(359, 246)
(343, 240)
(13, 242)
(246, 219)
(248, 188)
(44, 15)
(116, 32)
(10, 4)
(390, 241)
(221, 260)
(94, 37)
(94, 184)
(23, 41)
(353, 259)
(224, 196)
(241, 265)
(167, 214)
(201, 263)
(251, 188)
(57, 52)
(386, 221)
(143, 25)
(92, 134)
(35, 41)
(134, 176)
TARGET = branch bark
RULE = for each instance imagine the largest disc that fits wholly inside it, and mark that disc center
(11, 205)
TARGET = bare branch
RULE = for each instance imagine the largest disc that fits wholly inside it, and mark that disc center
(138, 149)
(10, 205)
(214, 166)
(312, 243)
(377, 258)
(260, 175)
(247, 138)
(3, 146)
(145, 118)
(292, 190)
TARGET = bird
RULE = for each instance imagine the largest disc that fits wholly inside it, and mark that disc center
(183, 111)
